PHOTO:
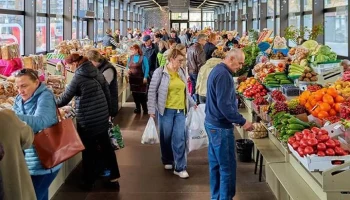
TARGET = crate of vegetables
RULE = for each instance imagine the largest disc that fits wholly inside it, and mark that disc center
(316, 150)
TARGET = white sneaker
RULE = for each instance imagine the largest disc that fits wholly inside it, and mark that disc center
(182, 174)
(168, 167)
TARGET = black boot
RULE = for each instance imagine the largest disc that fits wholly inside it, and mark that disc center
(137, 111)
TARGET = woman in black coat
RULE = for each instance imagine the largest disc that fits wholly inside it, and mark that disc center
(93, 110)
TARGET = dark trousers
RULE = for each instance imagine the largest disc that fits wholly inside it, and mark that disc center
(96, 148)
(193, 78)
(140, 99)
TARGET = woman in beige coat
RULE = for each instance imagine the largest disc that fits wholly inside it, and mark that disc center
(15, 137)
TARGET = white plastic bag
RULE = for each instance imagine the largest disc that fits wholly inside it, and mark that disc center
(150, 135)
(197, 137)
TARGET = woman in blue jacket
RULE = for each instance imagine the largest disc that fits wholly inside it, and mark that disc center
(35, 104)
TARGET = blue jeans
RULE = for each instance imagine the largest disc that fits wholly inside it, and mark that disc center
(193, 78)
(42, 183)
(222, 162)
(172, 138)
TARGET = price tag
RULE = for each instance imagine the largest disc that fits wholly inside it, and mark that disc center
(337, 126)
(327, 123)
(271, 128)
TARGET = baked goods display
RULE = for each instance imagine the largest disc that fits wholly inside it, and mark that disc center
(10, 51)
(35, 62)
(56, 84)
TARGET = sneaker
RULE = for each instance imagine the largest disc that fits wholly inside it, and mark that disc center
(168, 167)
(182, 174)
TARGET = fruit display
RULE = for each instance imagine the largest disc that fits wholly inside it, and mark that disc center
(322, 54)
(278, 106)
(264, 35)
(343, 88)
(331, 120)
(299, 54)
(322, 103)
(276, 80)
(299, 109)
(314, 87)
(259, 131)
(260, 101)
(308, 75)
(261, 70)
(290, 90)
(316, 141)
(255, 91)
(277, 56)
(345, 110)
(245, 84)
(287, 125)
(277, 95)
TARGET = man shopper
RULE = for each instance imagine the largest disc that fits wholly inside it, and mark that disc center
(108, 39)
(173, 35)
(221, 113)
(196, 59)
(150, 51)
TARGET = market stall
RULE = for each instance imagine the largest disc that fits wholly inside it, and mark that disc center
(299, 102)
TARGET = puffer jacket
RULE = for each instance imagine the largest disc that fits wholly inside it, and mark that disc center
(201, 87)
(195, 58)
(158, 91)
(39, 112)
(92, 98)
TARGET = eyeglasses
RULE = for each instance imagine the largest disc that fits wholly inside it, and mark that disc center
(29, 72)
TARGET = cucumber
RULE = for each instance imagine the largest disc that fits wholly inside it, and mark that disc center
(298, 121)
(273, 85)
(296, 127)
(291, 132)
(286, 82)
(280, 73)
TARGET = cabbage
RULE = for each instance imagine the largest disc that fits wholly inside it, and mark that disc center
(321, 58)
(310, 44)
(325, 50)
(332, 56)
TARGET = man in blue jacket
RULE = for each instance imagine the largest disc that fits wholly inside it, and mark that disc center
(221, 113)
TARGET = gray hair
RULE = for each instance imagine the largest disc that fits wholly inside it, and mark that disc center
(202, 36)
(235, 52)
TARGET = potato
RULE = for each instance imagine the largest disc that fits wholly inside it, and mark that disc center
(314, 78)
(307, 79)
(308, 75)
(314, 73)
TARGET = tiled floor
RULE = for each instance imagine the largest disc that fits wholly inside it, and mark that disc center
(143, 176)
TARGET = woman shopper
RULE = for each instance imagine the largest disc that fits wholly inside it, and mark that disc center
(201, 87)
(93, 110)
(168, 95)
(110, 74)
(15, 137)
(183, 38)
(163, 46)
(210, 46)
(138, 70)
(36, 106)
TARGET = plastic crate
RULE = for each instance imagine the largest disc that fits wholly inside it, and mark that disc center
(322, 68)
(290, 90)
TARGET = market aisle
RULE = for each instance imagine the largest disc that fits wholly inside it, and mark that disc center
(143, 176)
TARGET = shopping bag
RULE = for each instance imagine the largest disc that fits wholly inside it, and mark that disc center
(197, 137)
(115, 136)
(150, 135)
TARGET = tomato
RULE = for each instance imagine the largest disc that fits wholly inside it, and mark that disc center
(321, 153)
(261, 87)
(301, 151)
(291, 140)
(323, 138)
(330, 144)
(321, 147)
(306, 131)
(303, 143)
(315, 130)
(312, 142)
(339, 151)
(296, 145)
(298, 136)
(308, 150)
(330, 152)
(337, 143)
(311, 136)
(323, 132)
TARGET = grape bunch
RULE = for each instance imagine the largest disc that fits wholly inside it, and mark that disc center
(299, 109)
(292, 104)
(279, 106)
(278, 96)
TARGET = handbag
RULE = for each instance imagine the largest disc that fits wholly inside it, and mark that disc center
(57, 143)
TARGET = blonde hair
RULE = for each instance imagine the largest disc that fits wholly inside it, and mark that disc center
(162, 44)
(180, 47)
(219, 54)
(174, 54)
(94, 55)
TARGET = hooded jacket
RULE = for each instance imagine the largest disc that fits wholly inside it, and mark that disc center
(201, 87)
(92, 99)
(39, 112)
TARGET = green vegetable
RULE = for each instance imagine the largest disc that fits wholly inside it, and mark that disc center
(286, 82)
(298, 121)
(310, 44)
(251, 51)
(291, 132)
(296, 126)
(324, 49)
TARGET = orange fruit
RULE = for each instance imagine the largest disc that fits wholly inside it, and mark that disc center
(322, 114)
(313, 102)
(318, 96)
(325, 107)
(328, 99)
(302, 102)
(339, 99)
(307, 105)
(333, 92)
(337, 107)
(322, 91)
(332, 112)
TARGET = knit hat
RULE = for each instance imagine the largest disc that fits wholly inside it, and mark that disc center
(146, 38)
(263, 46)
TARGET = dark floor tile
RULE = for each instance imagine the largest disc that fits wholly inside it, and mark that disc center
(70, 195)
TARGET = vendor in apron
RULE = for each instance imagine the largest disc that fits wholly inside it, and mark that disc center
(138, 70)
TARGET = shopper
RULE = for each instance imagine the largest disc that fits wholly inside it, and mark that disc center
(210, 46)
(138, 70)
(223, 41)
(204, 72)
(171, 44)
(195, 60)
(117, 36)
(15, 137)
(183, 39)
(221, 113)
(110, 74)
(130, 35)
(162, 46)
(92, 98)
(230, 42)
(108, 39)
(173, 36)
(183, 50)
(168, 95)
(36, 106)
(165, 35)
(150, 51)
(157, 39)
